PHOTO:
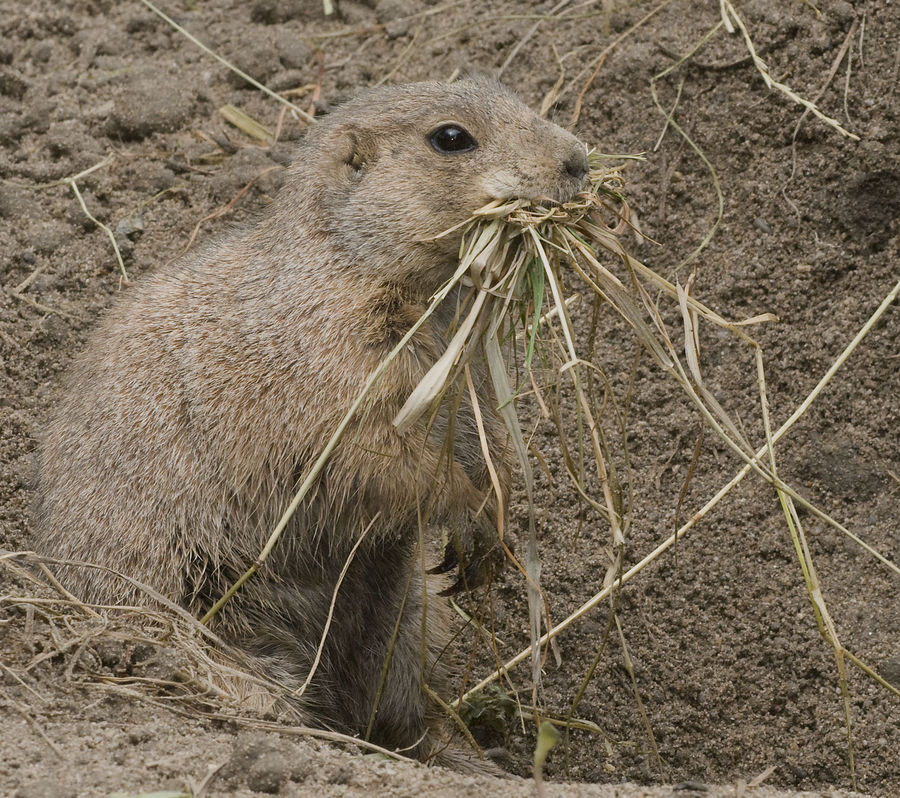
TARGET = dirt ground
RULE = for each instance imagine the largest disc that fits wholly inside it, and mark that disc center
(732, 673)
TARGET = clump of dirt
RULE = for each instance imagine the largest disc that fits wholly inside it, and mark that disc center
(717, 637)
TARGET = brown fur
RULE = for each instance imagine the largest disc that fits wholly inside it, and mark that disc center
(211, 387)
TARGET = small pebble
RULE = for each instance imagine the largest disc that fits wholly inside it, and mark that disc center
(269, 772)
(761, 224)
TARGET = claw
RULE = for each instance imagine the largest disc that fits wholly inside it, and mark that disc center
(473, 552)
(456, 587)
(474, 576)
(450, 561)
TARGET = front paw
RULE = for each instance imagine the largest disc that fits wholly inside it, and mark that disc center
(475, 552)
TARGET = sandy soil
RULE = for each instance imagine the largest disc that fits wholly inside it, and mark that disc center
(730, 668)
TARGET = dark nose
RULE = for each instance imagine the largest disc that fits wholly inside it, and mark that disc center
(576, 165)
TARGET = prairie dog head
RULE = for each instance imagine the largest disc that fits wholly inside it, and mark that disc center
(398, 165)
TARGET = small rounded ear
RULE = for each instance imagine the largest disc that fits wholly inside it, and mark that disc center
(354, 147)
(478, 75)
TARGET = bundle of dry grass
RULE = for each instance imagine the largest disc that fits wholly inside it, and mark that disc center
(518, 259)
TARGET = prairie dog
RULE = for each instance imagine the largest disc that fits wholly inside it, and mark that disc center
(214, 383)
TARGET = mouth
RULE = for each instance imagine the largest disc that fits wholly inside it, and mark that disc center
(561, 195)
(507, 187)
(568, 193)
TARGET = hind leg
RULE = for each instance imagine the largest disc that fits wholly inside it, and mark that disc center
(380, 648)
(384, 644)
(402, 714)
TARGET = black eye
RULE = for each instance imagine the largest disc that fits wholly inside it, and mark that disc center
(449, 139)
